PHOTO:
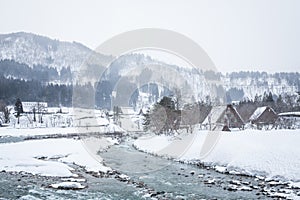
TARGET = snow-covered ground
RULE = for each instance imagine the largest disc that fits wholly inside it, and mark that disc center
(17, 132)
(51, 157)
(274, 153)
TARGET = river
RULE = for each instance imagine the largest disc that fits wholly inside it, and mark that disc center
(150, 176)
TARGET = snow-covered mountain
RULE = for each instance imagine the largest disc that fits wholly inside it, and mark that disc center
(250, 84)
(142, 76)
(28, 56)
(239, 85)
(31, 49)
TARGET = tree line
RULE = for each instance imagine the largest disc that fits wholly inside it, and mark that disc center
(11, 68)
(55, 94)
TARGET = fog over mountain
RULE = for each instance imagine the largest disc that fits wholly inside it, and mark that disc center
(30, 57)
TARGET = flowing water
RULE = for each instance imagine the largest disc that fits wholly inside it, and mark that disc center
(149, 177)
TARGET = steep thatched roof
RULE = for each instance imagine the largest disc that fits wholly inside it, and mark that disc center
(262, 115)
(220, 116)
(214, 114)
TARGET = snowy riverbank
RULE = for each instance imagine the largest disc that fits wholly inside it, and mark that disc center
(51, 157)
(273, 154)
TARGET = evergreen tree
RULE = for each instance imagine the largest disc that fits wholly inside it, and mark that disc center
(280, 105)
(163, 117)
(256, 99)
(18, 108)
(265, 97)
(167, 102)
(270, 98)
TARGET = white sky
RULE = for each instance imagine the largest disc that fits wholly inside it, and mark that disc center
(236, 34)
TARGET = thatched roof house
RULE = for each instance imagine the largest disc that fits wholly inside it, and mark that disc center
(223, 118)
(263, 116)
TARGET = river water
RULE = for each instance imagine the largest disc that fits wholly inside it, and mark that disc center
(149, 177)
(178, 180)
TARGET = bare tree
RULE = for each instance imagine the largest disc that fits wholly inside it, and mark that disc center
(190, 116)
(41, 109)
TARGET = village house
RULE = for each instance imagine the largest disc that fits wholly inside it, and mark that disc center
(263, 117)
(288, 120)
(28, 107)
(223, 118)
(127, 119)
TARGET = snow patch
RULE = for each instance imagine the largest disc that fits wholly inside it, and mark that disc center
(68, 185)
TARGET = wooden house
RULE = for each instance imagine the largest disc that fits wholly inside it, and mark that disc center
(263, 117)
(223, 118)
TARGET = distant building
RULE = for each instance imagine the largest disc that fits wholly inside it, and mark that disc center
(288, 120)
(223, 118)
(39, 106)
(263, 117)
(127, 119)
(126, 111)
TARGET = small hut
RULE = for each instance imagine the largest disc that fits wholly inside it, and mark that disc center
(223, 118)
(263, 117)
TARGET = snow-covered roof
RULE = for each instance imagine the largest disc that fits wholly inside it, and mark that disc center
(127, 111)
(214, 114)
(28, 106)
(294, 114)
(238, 114)
(257, 113)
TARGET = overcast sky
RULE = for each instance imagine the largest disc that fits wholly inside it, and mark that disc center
(236, 34)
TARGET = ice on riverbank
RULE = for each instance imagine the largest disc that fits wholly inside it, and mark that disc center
(273, 153)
